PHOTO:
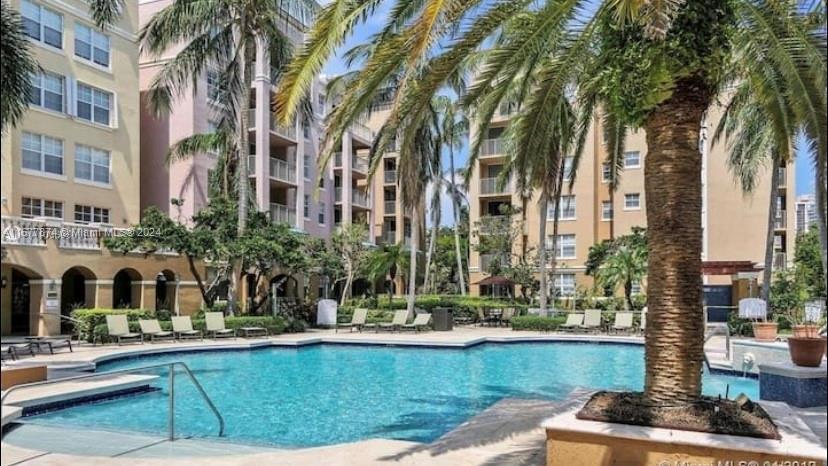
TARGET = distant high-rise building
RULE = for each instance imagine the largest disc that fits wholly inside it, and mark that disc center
(805, 212)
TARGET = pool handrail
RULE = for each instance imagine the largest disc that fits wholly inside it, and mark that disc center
(171, 370)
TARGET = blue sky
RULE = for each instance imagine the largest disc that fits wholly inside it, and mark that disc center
(804, 167)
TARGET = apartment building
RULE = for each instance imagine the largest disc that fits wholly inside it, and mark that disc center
(734, 223)
(71, 174)
(806, 214)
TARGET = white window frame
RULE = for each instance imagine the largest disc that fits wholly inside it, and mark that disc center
(40, 23)
(637, 160)
(42, 153)
(320, 217)
(97, 40)
(564, 290)
(41, 90)
(606, 173)
(569, 204)
(604, 205)
(560, 247)
(306, 166)
(306, 208)
(41, 206)
(94, 166)
(213, 90)
(95, 92)
(568, 166)
(628, 197)
(94, 214)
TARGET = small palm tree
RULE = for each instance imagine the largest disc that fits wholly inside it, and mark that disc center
(625, 265)
(387, 261)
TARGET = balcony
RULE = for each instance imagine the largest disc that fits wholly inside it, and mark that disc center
(24, 232)
(494, 224)
(282, 214)
(492, 147)
(280, 170)
(360, 198)
(489, 186)
(358, 163)
(390, 176)
(363, 132)
(283, 132)
(783, 177)
(390, 207)
(780, 260)
(781, 221)
(489, 260)
(389, 237)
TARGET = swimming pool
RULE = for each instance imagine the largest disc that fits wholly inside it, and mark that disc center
(328, 394)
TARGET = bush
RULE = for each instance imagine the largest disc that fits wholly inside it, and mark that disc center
(463, 306)
(543, 324)
(275, 325)
(91, 319)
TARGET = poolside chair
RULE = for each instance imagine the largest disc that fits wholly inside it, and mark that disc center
(14, 350)
(420, 321)
(152, 329)
(183, 328)
(396, 323)
(118, 328)
(357, 321)
(592, 320)
(506, 317)
(623, 322)
(573, 321)
(215, 325)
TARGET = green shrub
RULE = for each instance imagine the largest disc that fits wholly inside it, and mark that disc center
(90, 319)
(544, 324)
(275, 325)
(463, 306)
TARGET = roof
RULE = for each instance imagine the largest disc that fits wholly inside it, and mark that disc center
(496, 280)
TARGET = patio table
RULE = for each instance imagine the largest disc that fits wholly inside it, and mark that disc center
(255, 331)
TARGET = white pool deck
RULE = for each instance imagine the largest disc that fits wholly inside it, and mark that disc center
(509, 432)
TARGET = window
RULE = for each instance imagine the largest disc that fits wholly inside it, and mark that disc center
(31, 207)
(565, 247)
(568, 167)
(306, 206)
(320, 103)
(321, 216)
(94, 104)
(47, 91)
(42, 24)
(91, 45)
(632, 159)
(306, 166)
(90, 214)
(567, 204)
(636, 288)
(606, 210)
(42, 153)
(306, 130)
(321, 183)
(213, 86)
(564, 284)
(91, 164)
(632, 201)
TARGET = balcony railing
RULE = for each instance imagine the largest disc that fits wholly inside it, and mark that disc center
(282, 170)
(783, 179)
(780, 260)
(494, 146)
(389, 237)
(781, 220)
(362, 131)
(358, 163)
(359, 197)
(390, 207)
(282, 214)
(507, 108)
(288, 132)
(489, 260)
(494, 224)
(23, 231)
(490, 186)
(338, 194)
(79, 236)
(390, 176)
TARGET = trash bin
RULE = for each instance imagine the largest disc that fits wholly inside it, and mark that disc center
(443, 319)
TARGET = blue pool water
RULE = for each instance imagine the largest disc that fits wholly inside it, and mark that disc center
(327, 394)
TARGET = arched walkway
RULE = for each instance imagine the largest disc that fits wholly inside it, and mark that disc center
(77, 290)
(126, 289)
(165, 291)
(20, 305)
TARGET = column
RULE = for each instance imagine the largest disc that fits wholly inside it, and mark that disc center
(299, 158)
(44, 306)
(262, 117)
(347, 179)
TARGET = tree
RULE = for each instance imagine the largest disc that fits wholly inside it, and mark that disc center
(349, 244)
(619, 262)
(449, 276)
(496, 236)
(808, 263)
(387, 260)
(651, 65)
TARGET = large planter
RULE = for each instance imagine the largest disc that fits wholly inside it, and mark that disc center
(806, 352)
(765, 331)
(806, 331)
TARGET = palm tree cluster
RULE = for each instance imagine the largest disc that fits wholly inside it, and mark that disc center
(658, 66)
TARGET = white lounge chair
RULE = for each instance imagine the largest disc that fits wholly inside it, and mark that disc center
(420, 321)
(118, 327)
(357, 321)
(573, 321)
(152, 328)
(592, 320)
(215, 325)
(183, 328)
(623, 322)
(396, 323)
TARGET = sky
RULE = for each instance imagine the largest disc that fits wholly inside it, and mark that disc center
(335, 66)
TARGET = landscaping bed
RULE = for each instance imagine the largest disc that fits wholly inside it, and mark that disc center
(711, 415)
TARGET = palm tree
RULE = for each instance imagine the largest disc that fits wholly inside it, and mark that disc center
(625, 265)
(435, 180)
(652, 65)
(387, 260)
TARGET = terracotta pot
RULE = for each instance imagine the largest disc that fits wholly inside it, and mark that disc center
(806, 331)
(806, 352)
(765, 331)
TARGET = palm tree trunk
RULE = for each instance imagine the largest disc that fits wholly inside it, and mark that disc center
(456, 213)
(412, 266)
(544, 288)
(820, 187)
(556, 218)
(628, 304)
(767, 273)
(674, 344)
(432, 242)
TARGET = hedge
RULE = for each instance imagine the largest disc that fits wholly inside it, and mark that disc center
(275, 325)
(90, 319)
(544, 324)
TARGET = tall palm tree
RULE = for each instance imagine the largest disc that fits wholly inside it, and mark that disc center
(652, 65)
(625, 265)
(387, 260)
(435, 180)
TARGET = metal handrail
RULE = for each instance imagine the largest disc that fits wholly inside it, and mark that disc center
(170, 368)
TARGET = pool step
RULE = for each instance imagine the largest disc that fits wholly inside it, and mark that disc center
(72, 390)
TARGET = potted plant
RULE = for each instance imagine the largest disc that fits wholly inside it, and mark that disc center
(806, 346)
(756, 310)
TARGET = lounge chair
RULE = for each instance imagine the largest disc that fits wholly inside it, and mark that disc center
(396, 323)
(623, 322)
(573, 321)
(506, 317)
(592, 320)
(118, 328)
(215, 326)
(357, 321)
(152, 329)
(183, 328)
(14, 350)
(420, 321)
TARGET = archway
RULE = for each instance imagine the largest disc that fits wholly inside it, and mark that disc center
(18, 301)
(284, 292)
(165, 291)
(75, 293)
(125, 293)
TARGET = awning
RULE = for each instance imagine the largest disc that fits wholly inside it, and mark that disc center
(495, 280)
